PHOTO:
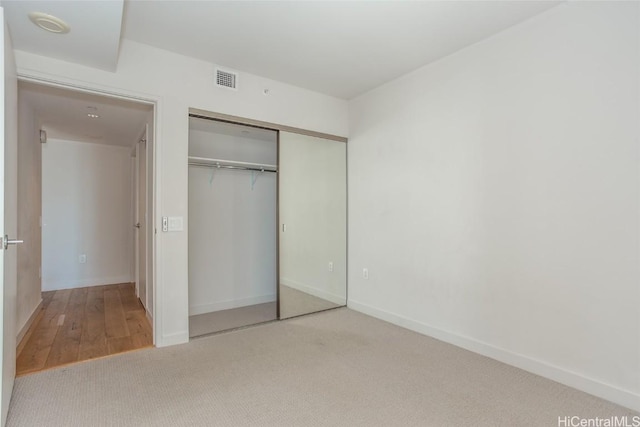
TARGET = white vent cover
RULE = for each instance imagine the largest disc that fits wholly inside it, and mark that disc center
(226, 79)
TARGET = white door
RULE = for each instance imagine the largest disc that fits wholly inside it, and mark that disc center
(8, 215)
(141, 220)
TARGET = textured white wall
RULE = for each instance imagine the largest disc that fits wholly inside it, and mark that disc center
(494, 198)
(86, 209)
(29, 211)
(179, 83)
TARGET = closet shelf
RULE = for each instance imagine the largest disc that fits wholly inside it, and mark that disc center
(205, 161)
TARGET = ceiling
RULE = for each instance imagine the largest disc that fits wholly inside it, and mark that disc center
(340, 48)
(63, 114)
(94, 39)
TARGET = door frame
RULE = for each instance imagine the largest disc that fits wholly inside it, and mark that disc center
(141, 142)
(155, 162)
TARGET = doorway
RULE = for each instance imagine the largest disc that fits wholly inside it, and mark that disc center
(85, 187)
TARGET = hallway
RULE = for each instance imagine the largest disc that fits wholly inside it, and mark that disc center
(84, 323)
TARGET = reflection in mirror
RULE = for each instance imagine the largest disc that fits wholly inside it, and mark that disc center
(313, 224)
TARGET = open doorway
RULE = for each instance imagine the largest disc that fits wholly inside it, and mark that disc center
(85, 185)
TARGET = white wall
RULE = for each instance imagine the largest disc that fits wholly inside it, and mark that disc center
(177, 83)
(86, 209)
(313, 206)
(494, 198)
(29, 211)
(232, 232)
(232, 239)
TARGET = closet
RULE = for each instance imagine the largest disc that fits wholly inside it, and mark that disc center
(232, 226)
(267, 222)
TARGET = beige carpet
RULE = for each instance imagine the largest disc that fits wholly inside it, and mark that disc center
(295, 303)
(217, 321)
(335, 368)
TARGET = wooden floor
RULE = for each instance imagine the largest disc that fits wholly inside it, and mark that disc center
(84, 323)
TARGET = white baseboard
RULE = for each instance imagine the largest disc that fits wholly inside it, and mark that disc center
(336, 299)
(28, 323)
(56, 285)
(572, 379)
(229, 304)
(153, 328)
(173, 339)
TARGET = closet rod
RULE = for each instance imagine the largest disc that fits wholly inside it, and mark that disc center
(209, 165)
(206, 161)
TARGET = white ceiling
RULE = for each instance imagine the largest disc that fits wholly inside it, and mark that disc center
(340, 48)
(63, 114)
(94, 39)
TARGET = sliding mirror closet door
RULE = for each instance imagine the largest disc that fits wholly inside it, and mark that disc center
(313, 224)
(232, 225)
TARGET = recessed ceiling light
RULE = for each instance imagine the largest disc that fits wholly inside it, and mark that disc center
(49, 23)
(93, 116)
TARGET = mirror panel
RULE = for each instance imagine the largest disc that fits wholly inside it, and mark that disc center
(313, 224)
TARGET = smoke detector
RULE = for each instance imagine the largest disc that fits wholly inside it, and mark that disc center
(49, 23)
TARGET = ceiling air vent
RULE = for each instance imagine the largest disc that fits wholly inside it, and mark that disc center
(226, 79)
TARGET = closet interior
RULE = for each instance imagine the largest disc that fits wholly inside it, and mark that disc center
(232, 226)
(267, 223)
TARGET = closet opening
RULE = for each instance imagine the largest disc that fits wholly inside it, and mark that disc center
(267, 222)
(232, 223)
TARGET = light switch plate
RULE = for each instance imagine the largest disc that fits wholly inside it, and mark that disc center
(175, 223)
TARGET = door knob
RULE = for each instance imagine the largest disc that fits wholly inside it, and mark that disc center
(8, 241)
(137, 225)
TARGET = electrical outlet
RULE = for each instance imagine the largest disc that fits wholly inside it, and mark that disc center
(365, 273)
(331, 266)
(82, 259)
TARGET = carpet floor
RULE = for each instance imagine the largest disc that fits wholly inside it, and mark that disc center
(335, 368)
